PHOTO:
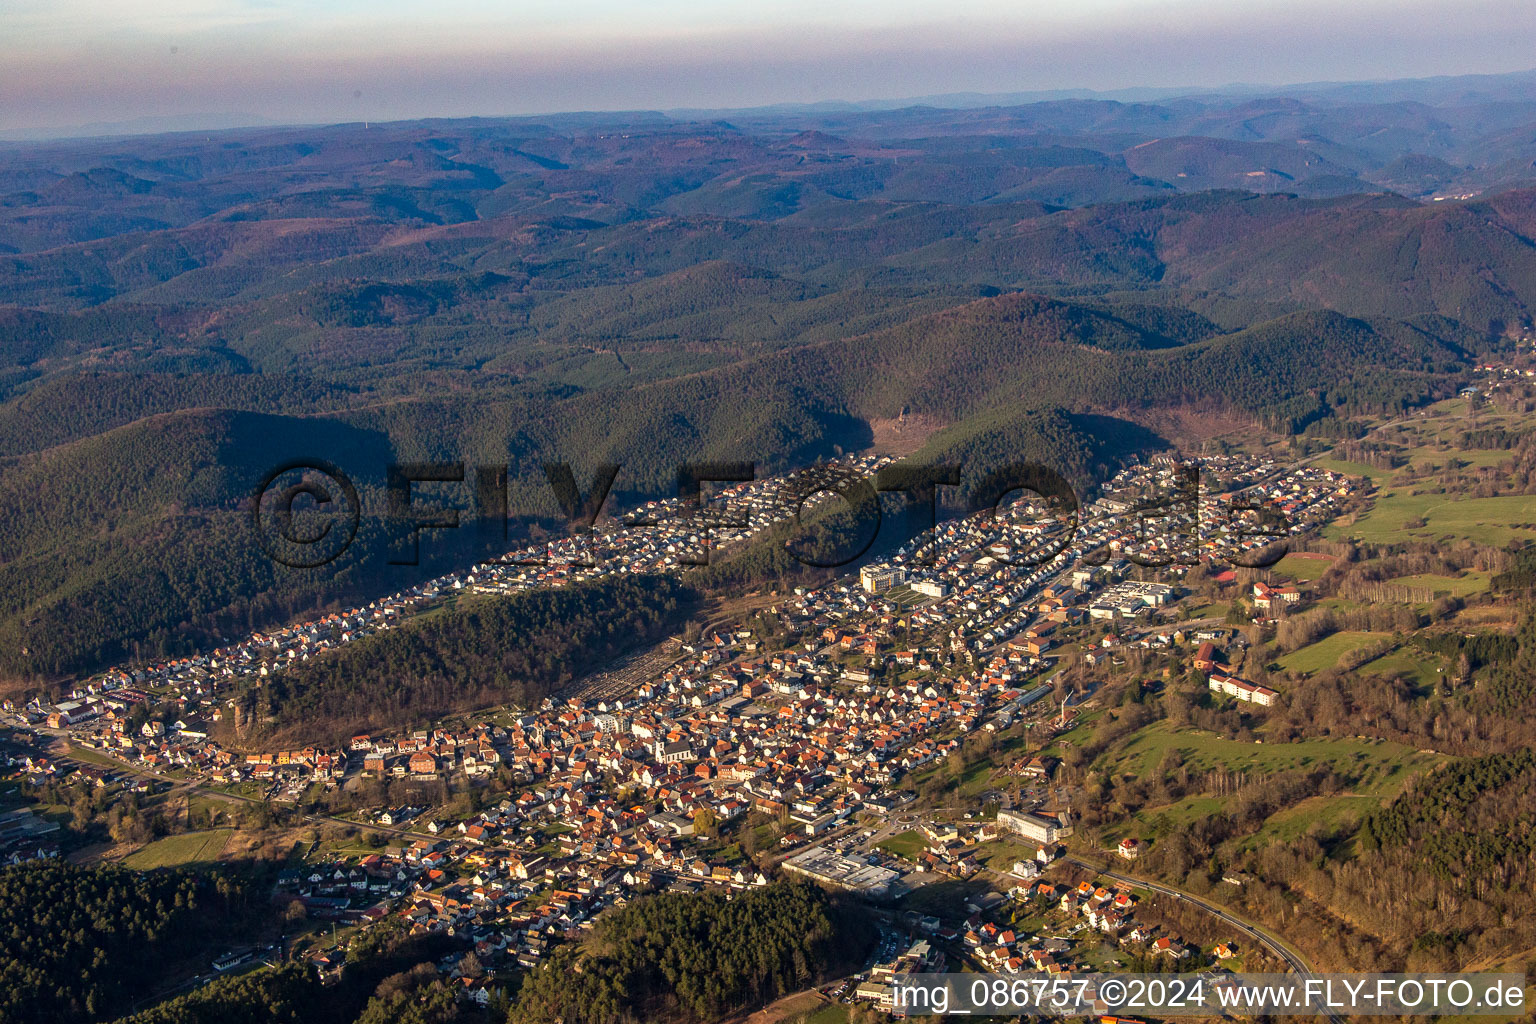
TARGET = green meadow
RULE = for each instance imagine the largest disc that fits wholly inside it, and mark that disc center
(1327, 651)
(185, 850)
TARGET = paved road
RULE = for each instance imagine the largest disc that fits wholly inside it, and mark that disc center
(1184, 624)
(1297, 962)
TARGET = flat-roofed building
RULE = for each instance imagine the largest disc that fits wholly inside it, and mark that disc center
(877, 579)
(1042, 828)
(827, 867)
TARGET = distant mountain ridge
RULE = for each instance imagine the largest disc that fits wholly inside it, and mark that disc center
(1052, 281)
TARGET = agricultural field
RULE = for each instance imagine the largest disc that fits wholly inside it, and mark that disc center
(1326, 652)
(1303, 566)
(1468, 583)
(1431, 445)
(185, 850)
(1377, 766)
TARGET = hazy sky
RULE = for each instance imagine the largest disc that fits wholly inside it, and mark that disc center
(73, 62)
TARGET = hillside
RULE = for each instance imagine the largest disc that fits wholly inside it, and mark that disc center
(148, 516)
(176, 318)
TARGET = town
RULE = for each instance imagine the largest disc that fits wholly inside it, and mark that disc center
(802, 721)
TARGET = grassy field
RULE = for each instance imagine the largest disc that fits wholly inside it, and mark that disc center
(1330, 811)
(1101, 956)
(1429, 440)
(1303, 566)
(1087, 722)
(1002, 854)
(1472, 456)
(904, 596)
(909, 844)
(95, 757)
(1470, 582)
(1407, 663)
(189, 848)
(832, 1013)
(943, 899)
(1377, 767)
(1327, 651)
(1495, 521)
(1371, 473)
(1339, 604)
(1178, 815)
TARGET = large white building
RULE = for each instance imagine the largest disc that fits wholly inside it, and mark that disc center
(1249, 693)
(1042, 828)
(877, 579)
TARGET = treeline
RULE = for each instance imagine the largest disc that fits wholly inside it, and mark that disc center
(1083, 448)
(1507, 687)
(1464, 796)
(1433, 881)
(1521, 574)
(1196, 853)
(1478, 649)
(1369, 453)
(138, 544)
(1492, 438)
(695, 957)
(78, 944)
(840, 534)
(479, 652)
(1483, 705)
(1297, 631)
(831, 537)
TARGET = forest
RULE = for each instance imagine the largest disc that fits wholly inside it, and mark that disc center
(482, 651)
(695, 957)
(133, 542)
(78, 944)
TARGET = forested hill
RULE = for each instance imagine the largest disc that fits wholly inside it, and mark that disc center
(677, 957)
(178, 315)
(79, 944)
(133, 541)
(480, 652)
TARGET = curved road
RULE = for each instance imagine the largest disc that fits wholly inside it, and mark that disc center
(1297, 962)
